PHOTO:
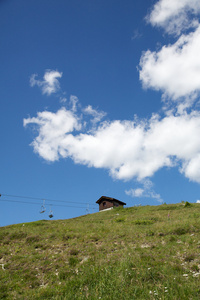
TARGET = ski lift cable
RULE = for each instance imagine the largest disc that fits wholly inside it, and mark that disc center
(35, 203)
(35, 198)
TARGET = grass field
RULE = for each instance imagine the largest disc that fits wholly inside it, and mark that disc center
(150, 252)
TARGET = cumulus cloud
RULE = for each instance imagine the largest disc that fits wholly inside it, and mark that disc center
(175, 69)
(52, 128)
(49, 84)
(174, 15)
(128, 149)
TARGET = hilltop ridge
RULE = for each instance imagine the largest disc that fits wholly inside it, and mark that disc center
(149, 252)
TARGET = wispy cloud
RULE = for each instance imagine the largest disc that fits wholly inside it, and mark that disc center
(73, 101)
(141, 193)
(97, 115)
(146, 191)
(136, 34)
(49, 84)
(135, 193)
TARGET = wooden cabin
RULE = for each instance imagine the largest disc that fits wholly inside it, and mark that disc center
(108, 203)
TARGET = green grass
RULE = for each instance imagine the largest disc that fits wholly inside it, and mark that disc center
(150, 252)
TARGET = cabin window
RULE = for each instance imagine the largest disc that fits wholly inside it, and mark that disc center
(104, 204)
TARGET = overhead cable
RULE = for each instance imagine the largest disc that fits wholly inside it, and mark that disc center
(36, 203)
(50, 200)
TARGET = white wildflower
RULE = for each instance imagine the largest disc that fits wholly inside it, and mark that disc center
(196, 274)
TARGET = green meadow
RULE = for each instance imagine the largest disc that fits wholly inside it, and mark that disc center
(149, 252)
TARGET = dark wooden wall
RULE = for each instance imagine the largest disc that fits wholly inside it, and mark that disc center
(108, 204)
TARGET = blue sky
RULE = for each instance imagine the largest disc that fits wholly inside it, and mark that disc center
(97, 98)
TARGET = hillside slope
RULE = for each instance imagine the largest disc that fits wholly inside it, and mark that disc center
(150, 252)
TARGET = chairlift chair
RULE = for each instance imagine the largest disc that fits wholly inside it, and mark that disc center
(43, 209)
(50, 214)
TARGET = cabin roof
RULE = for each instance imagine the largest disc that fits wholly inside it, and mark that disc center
(109, 199)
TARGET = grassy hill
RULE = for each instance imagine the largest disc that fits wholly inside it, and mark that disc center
(150, 252)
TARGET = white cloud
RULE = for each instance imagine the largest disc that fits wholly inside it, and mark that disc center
(73, 102)
(97, 115)
(138, 148)
(174, 15)
(136, 34)
(135, 193)
(49, 84)
(63, 99)
(198, 201)
(145, 192)
(175, 69)
(52, 128)
(128, 149)
(142, 193)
